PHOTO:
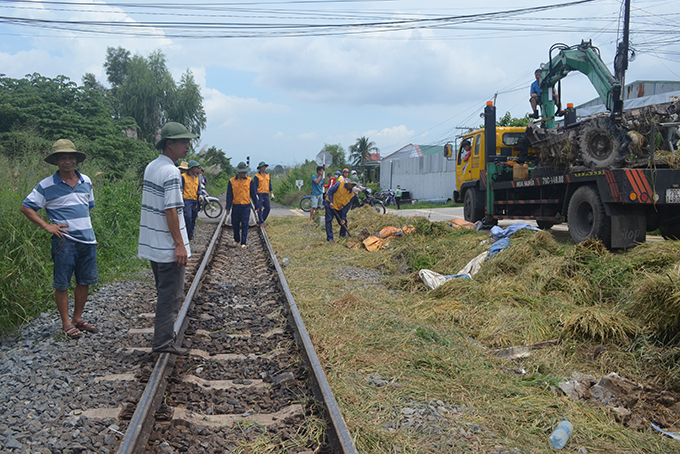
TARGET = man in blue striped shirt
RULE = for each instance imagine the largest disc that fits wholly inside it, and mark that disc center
(67, 197)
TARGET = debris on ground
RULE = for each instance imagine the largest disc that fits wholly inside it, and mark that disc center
(523, 351)
(498, 232)
(381, 239)
(460, 224)
(633, 405)
(670, 434)
(501, 241)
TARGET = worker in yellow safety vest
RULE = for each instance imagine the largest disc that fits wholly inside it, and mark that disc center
(190, 192)
(240, 192)
(263, 183)
(339, 200)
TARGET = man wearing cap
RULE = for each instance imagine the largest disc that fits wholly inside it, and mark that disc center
(67, 197)
(240, 191)
(163, 238)
(338, 202)
(263, 183)
(191, 181)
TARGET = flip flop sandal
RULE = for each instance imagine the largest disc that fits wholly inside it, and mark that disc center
(84, 325)
(72, 332)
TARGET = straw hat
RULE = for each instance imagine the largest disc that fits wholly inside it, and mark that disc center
(63, 146)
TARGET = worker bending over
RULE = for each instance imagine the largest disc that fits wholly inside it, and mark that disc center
(339, 200)
(240, 192)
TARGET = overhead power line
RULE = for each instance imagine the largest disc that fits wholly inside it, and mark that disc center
(246, 27)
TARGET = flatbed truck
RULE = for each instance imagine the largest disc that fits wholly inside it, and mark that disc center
(617, 206)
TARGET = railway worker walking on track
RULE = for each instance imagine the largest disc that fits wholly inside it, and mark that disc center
(338, 202)
(67, 197)
(317, 191)
(163, 236)
(263, 184)
(240, 192)
(191, 182)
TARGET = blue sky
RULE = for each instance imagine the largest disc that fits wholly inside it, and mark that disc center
(280, 99)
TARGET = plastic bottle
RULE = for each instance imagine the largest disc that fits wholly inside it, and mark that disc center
(560, 437)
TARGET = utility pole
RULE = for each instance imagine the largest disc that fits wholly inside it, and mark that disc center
(621, 59)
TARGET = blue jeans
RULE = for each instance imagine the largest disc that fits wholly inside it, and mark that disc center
(240, 215)
(71, 256)
(266, 207)
(330, 215)
(190, 215)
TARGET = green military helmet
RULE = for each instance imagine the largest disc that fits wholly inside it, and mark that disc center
(174, 130)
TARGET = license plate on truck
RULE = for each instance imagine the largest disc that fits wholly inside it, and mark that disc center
(672, 195)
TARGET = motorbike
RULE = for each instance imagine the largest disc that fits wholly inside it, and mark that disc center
(211, 206)
(370, 200)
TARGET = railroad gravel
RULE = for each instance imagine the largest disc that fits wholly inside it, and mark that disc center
(47, 380)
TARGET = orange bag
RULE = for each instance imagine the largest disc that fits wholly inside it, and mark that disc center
(373, 243)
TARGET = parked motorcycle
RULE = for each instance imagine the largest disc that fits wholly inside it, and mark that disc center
(211, 206)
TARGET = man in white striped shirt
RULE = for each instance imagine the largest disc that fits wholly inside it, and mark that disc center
(67, 197)
(163, 235)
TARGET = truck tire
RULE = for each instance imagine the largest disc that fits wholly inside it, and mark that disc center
(603, 144)
(670, 231)
(473, 205)
(587, 217)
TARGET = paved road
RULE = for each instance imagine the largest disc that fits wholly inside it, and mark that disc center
(560, 231)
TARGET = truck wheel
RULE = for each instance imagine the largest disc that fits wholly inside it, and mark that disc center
(670, 231)
(587, 217)
(603, 144)
(473, 205)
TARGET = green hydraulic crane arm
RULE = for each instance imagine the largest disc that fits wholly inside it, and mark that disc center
(586, 59)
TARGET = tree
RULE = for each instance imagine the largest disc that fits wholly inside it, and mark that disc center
(338, 154)
(214, 156)
(37, 110)
(187, 104)
(509, 120)
(116, 66)
(147, 92)
(360, 151)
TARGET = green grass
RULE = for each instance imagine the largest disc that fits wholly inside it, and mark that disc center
(435, 344)
(424, 205)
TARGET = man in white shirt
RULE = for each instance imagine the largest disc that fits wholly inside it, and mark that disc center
(162, 233)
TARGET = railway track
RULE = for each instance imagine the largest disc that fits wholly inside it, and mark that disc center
(251, 381)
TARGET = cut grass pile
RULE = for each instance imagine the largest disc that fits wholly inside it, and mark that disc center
(388, 347)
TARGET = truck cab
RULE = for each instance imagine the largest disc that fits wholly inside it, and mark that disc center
(510, 140)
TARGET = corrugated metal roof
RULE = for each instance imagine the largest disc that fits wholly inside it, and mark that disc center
(415, 151)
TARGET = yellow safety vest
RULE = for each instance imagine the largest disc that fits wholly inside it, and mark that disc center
(190, 187)
(341, 197)
(241, 190)
(263, 183)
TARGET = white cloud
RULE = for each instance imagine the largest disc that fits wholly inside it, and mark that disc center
(224, 110)
(308, 136)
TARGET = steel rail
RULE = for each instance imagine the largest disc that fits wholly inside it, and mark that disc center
(139, 428)
(340, 431)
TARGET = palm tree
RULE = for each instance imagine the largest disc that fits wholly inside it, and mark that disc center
(360, 151)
